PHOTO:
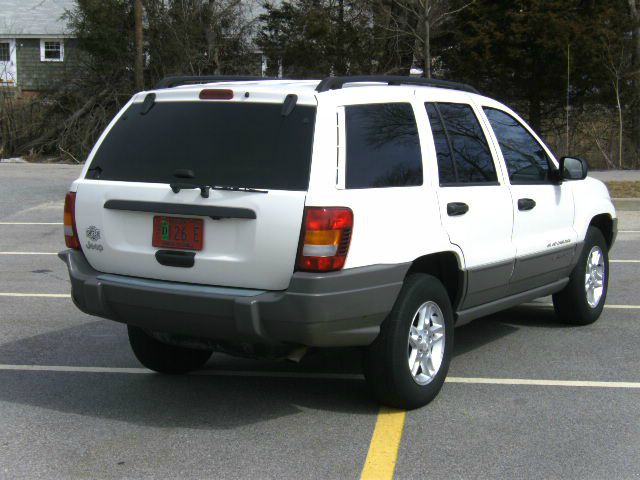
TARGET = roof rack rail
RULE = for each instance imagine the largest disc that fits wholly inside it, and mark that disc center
(336, 83)
(176, 80)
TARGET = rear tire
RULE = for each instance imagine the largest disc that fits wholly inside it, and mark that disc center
(583, 298)
(162, 357)
(406, 365)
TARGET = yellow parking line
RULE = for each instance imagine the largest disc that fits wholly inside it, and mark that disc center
(385, 442)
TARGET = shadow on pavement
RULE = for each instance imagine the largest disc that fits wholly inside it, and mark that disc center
(205, 401)
(199, 402)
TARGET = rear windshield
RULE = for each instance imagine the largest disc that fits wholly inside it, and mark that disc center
(227, 144)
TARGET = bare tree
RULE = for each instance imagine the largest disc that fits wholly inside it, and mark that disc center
(139, 62)
(616, 64)
(634, 11)
(418, 20)
(199, 36)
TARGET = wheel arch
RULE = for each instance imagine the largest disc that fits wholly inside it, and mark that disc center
(605, 223)
(447, 267)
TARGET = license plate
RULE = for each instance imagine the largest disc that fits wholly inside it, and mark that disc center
(179, 233)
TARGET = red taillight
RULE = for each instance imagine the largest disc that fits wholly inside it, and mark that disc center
(216, 94)
(70, 232)
(325, 238)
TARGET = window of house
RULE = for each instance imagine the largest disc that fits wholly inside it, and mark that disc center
(383, 147)
(526, 160)
(5, 53)
(461, 147)
(51, 50)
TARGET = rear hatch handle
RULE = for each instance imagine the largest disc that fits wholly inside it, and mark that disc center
(212, 211)
(174, 258)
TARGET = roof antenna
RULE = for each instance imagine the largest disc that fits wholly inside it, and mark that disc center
(148, 103)
(289, 104)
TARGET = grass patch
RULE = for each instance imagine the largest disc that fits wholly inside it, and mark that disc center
(624, 189)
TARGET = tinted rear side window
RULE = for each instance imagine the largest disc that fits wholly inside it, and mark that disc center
(227, 144)
(463, 139)
(383, 148)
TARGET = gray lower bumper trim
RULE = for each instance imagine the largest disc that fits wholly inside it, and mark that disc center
(335, 309)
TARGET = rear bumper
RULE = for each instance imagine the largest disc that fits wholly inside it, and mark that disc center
(337, 309)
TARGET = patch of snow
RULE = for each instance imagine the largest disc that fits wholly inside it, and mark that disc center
(13, 160)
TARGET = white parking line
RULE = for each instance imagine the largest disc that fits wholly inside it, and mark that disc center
(42, 295)
(329, 376)
(614, 306)
(628, 231)
(216, 373)
(37, 223)
(67, 295)
(28, 253)
(56, 253)
(543, 383)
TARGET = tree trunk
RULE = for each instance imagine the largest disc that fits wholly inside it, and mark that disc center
(139, 60)
(341, 67)
(427, 40)
(535, 112)
(634, 10)
(616, 87)
(212, 45)
(635, 112)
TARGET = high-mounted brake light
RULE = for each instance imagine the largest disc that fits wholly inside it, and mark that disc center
(216, 94)
(325, 239)
(70, 232)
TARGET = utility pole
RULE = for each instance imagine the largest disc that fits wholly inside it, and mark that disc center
(139, 60)
(568, 93)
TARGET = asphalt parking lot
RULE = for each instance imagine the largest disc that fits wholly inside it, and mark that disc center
(528, 397)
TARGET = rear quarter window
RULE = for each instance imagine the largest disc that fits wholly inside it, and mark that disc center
(383, 148)
(227, 144)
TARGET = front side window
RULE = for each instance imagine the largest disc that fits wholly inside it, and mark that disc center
(526, 160)
(383, 147)
(461, 146)
(51, 51)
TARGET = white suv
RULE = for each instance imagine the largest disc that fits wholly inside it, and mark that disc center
(263, 217)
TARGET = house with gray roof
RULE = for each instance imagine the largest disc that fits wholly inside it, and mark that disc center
(37, 51)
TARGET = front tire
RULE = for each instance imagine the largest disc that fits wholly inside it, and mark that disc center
(405, 367)
(162, 357)
(582, 299)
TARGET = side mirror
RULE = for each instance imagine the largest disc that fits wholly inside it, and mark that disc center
(573, 168)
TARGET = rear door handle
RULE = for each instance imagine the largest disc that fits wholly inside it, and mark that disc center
(526, 204)
(455, 209)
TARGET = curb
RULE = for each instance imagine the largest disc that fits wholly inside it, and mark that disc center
(632, 204)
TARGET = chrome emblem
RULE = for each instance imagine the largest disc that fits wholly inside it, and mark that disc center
(93, 233)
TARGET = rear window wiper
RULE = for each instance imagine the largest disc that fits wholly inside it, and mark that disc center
(237, 189)
(204, 189)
